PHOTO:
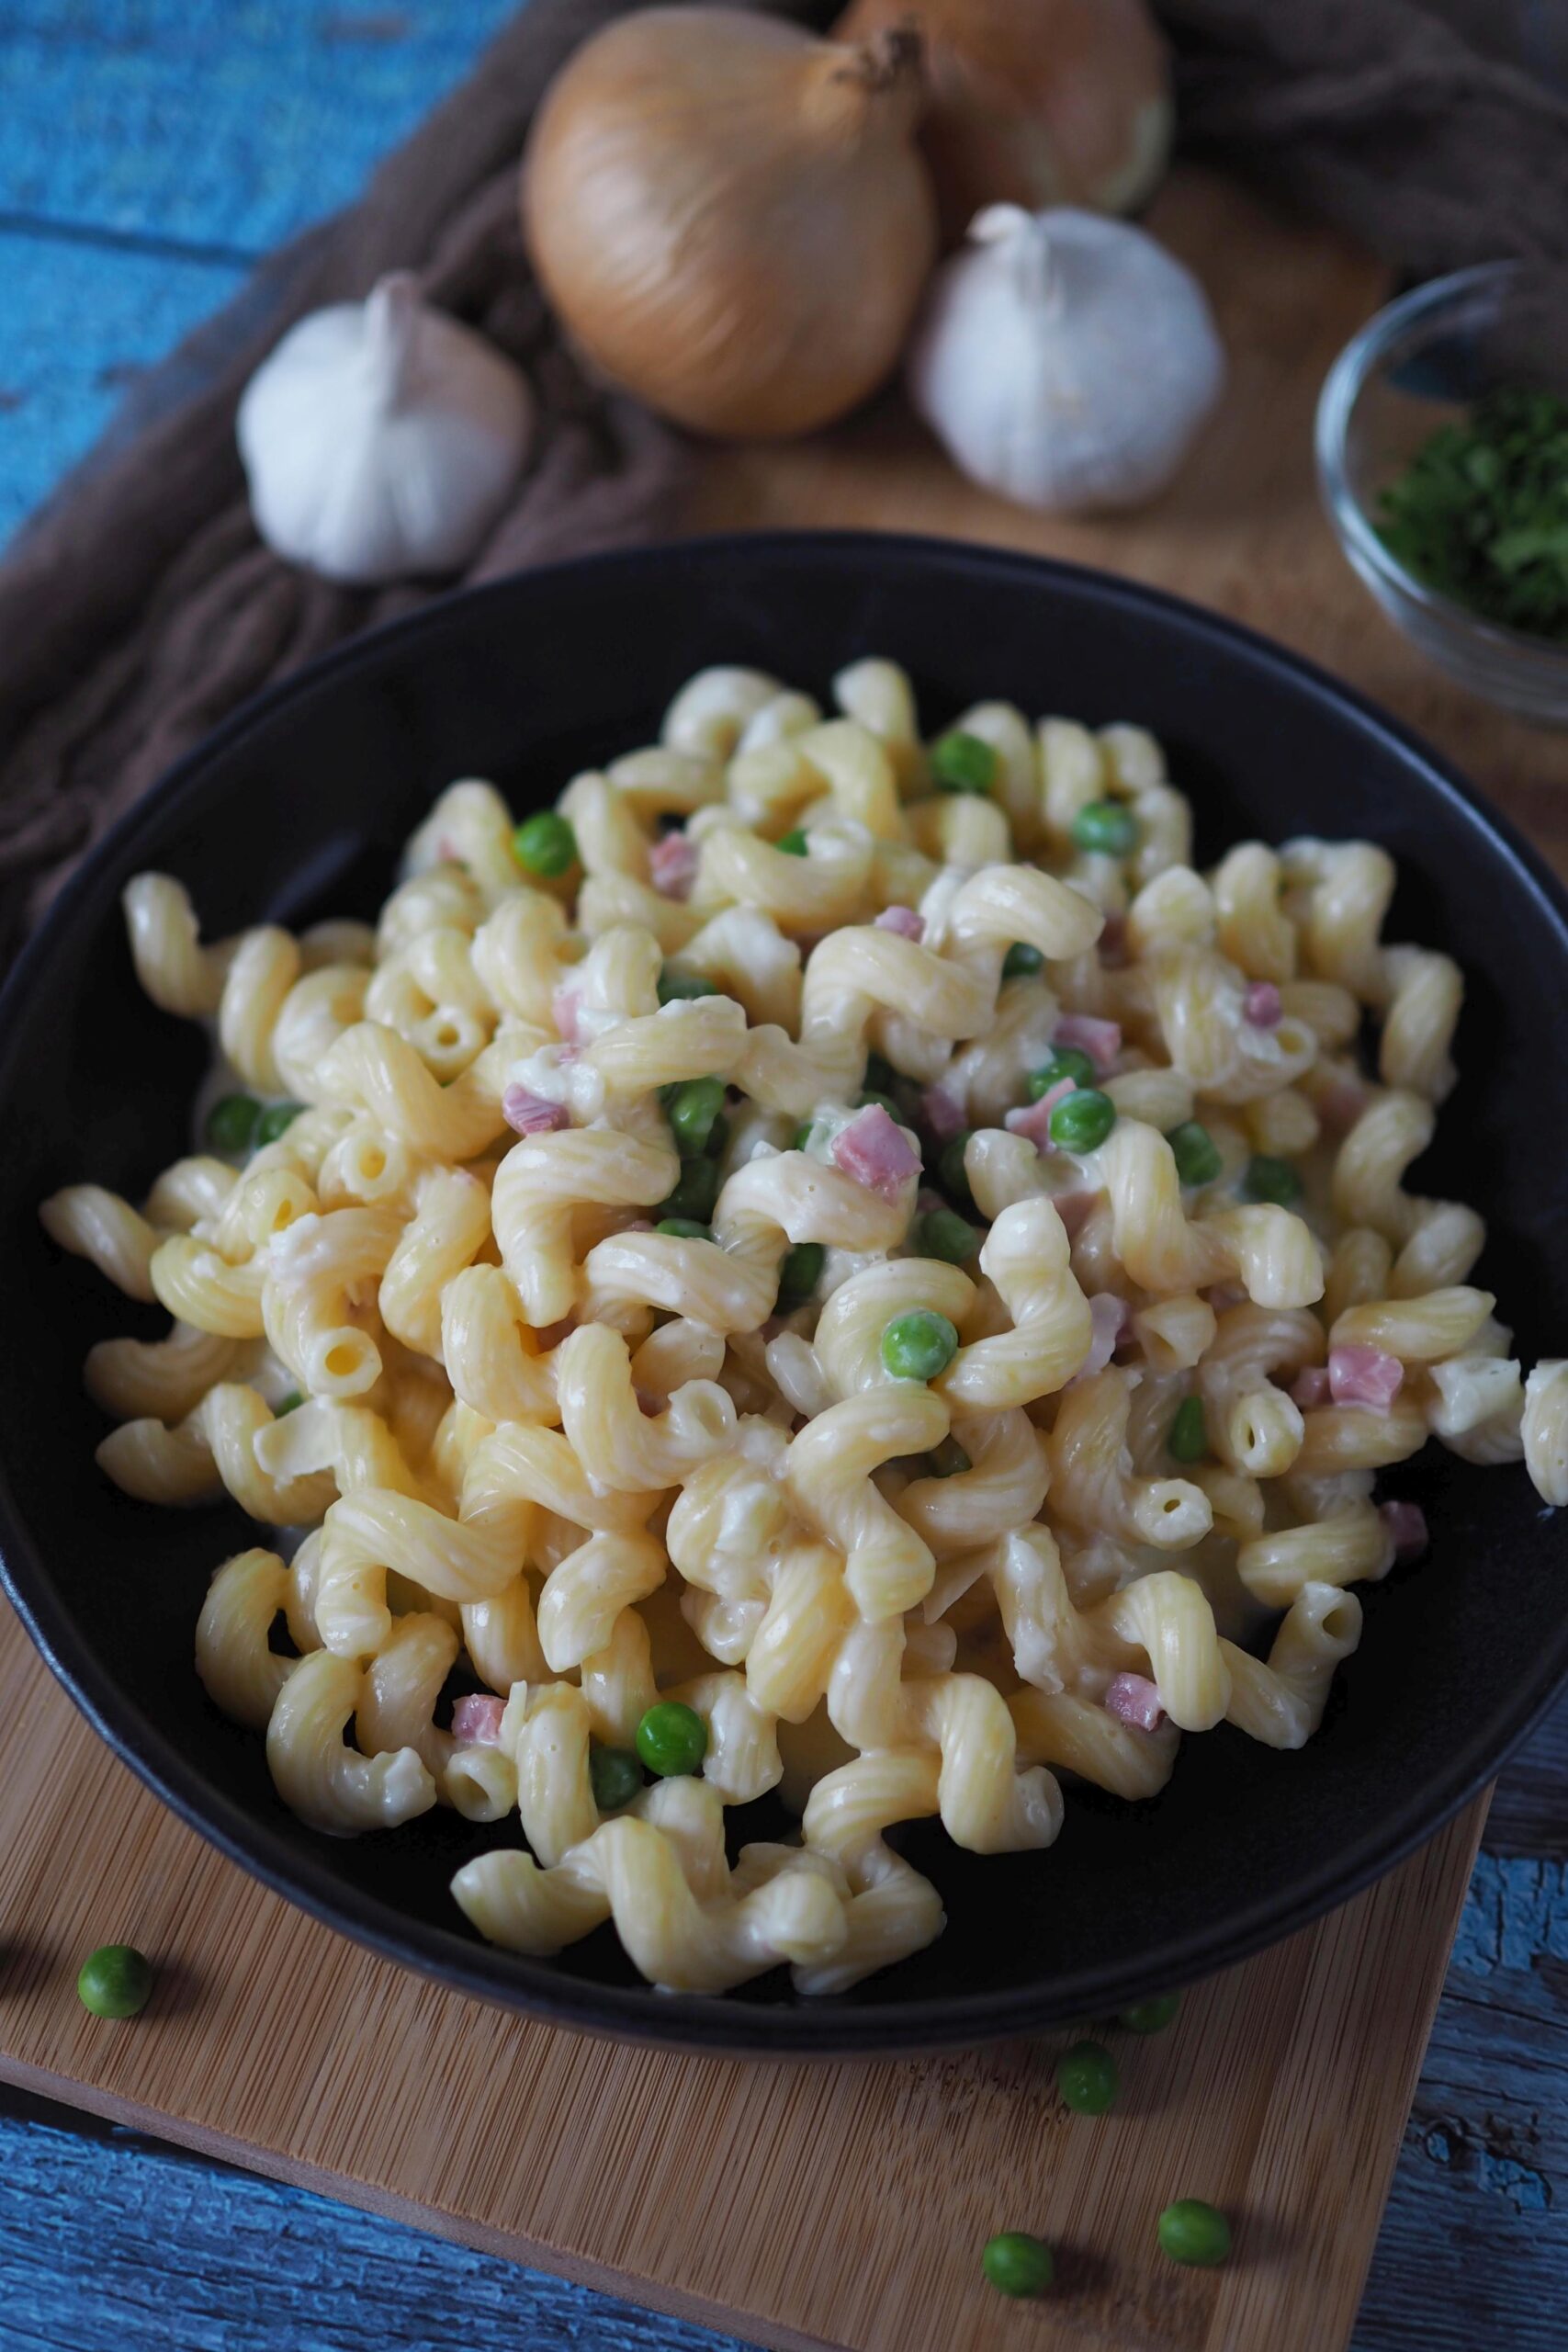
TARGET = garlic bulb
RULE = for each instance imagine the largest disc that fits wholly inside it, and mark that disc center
(380, 439)
(1064, 360)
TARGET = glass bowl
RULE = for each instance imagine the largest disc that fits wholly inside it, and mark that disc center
(1418, 364)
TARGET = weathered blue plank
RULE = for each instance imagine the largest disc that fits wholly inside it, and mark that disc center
(227, 122)
(76, 320)
(187, 2256)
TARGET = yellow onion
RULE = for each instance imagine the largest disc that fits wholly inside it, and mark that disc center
(730, 217)
(1035, 102)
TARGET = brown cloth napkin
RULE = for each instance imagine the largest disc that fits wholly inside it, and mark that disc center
(140, 607)
(1428, 129)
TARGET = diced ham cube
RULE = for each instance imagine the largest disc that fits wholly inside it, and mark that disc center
(1101, 1040)
(1109, 1317)
(1073, 1207)
(1311, 1388)
(533, 1114)
(904, 921)
(1261, 1005)
(1359, 1376)
(476, 1720)
(1133, 1699)
(942, 1112)
(1407, 1525)
(1034, 1119)
(1340, 1104)
(877, 1153)
(672, 863)
(563, 1012)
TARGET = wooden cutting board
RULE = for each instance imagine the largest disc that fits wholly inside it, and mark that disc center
(824, 2206)
(828, 2206)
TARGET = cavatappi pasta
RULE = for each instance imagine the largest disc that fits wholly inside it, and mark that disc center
(848, 1246)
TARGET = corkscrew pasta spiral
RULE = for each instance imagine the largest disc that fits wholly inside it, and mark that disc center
(837, 1268)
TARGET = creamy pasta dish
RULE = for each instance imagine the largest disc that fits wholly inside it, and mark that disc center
(830, 1262)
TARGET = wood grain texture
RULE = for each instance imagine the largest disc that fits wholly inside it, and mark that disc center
(825, 2206)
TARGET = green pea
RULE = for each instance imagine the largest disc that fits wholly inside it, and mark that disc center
(275, 1120)
(864, 1100)
(1021, 962)
(685, 1228)
(881, 1076)
(1016, 2264)
(1268, 1178)
(1187, 1440)
(289, 1404)
(1195, 1152)
(1195, 2234)
(804, 1134)
(674, 986)
(116, 1981)
(943, 1233)
(800, 1275)
(545, 844)
(671, 1739)
(692, 1111)
(1088, 2079)
(695, 1193)
(1068, 1061)
(718, 1136)
(794, 844)
(1107, 827)
(1152, 2016)
(963, 762)
(616, 1776)
(948, 1460)
(1082, 1120)
(918, 1345)
(232, 1123)
(950, 1170)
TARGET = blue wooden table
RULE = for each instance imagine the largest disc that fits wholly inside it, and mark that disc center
(150, 150)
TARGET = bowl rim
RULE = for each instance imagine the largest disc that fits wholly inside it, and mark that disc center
(720, 2024)
(1342, 387)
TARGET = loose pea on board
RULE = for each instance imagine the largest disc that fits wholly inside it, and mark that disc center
(1017, 2264)
(1194, 2233)
(116, 1981)
(1087, 2078)
(1152, 2016)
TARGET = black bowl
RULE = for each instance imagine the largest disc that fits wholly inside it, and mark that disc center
(298, 805)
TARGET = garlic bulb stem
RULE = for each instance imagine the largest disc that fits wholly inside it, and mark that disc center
(391, 321)
(1025, 241)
